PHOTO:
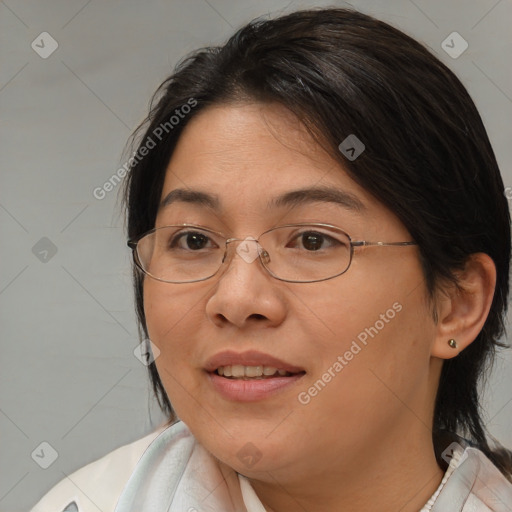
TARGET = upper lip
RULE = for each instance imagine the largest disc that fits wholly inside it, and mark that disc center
(248, 358)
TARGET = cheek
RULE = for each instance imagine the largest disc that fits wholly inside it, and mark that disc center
(360, 388)
(168, 309)
(171, 317)
(378, 335)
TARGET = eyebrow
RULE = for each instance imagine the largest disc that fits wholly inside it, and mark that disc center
(290, 199)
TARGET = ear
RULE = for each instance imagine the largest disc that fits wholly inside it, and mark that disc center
(462, 311)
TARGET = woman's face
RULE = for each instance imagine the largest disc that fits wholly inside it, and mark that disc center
(357, 346)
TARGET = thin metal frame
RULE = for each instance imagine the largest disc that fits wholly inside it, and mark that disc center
(132, 243)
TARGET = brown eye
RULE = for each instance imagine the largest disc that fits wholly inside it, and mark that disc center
(313, 241)
(189, 240)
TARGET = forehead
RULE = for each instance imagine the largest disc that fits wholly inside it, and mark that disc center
(253, 149)
(253, 163)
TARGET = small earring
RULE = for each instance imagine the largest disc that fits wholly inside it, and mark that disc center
(452, 343)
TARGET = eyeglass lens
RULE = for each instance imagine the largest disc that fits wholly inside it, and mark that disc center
(295, 253)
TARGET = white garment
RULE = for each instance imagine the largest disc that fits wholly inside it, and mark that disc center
(97, 486)
(454, 463)
(176, 474)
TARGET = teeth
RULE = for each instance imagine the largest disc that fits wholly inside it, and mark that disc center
(253, 371)
(238, 371)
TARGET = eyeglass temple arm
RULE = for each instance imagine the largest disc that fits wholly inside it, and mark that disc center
(362, 243)
(132, 244)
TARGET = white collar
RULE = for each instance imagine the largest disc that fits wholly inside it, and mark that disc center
(251, 500)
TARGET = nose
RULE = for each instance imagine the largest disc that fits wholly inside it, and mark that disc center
(245, 294)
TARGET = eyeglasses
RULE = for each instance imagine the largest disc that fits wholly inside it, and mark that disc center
(296, 253)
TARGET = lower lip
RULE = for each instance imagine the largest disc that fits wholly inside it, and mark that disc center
(240, 390)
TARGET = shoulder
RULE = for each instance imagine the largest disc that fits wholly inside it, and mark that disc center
(491, 490)
(476, 485)
(99, 484)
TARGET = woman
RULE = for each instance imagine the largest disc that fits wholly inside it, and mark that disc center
(321, 245)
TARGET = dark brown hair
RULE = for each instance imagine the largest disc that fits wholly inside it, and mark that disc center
(427, 157)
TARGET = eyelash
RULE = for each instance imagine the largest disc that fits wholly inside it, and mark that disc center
(177, 237)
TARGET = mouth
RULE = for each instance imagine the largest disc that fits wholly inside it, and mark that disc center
(238, 371)
(250, 376)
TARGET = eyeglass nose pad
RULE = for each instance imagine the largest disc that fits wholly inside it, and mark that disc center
(265, 257)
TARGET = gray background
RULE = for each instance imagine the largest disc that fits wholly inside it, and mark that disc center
(68, 375)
